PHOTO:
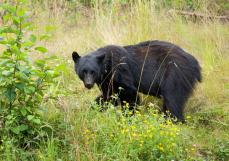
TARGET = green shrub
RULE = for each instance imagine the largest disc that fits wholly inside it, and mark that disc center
(23, 82)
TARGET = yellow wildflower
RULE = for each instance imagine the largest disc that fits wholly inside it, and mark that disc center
(188, 117)
(145, 121)
(133, 127)
(161, 148)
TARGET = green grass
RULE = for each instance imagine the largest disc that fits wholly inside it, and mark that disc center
(80, 133)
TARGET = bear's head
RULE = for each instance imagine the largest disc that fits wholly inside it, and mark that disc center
(88, 68)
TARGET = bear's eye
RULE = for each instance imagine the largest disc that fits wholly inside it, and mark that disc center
(84, 71)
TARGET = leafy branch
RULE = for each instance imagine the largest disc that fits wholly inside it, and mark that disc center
(23, 83)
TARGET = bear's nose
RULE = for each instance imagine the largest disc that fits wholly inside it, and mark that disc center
(88, 86)
(88, 81)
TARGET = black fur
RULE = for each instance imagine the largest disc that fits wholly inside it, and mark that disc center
(154, 68)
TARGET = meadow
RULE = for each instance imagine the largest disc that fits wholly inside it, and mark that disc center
(76, 131)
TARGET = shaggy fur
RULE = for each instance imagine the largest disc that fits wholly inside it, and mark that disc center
(154, 68)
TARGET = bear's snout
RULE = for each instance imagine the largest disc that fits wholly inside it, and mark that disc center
(88, 81)
(88, 86)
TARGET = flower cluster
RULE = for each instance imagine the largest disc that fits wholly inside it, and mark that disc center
(88, 136)
(144, 135)
(151, 133)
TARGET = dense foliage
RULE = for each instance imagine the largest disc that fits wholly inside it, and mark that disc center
(23, 83)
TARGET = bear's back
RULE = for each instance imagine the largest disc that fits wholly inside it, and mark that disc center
(154, 47)
(159, 51)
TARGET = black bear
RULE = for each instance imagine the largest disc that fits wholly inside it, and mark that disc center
(155, 68)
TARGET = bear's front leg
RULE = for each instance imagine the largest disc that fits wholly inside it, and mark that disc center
(99, 99)
(100, 102)
(129, 95)
(103, 102)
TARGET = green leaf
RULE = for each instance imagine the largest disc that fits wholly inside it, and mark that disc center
(16, 20)
(10, 94)
(30, 117)
(45, 37)
(3, 42)
(4, 62)
(23, 111)
(50, 73)
(6, 17)
(15, 130)
(41, 49)
(33, 38)
(22, 77)
(26, 25)
(28, 44)
(40, 63)
(23, 127)
(20, 12)
(36, 121)
(29, 89)
(20, 128)
(20, 86)
(9, 30)
(6, 73)
(9, 8)
(56, 74)
(61, 67)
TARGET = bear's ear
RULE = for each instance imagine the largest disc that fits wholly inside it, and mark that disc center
(75, 56)
(100, 58)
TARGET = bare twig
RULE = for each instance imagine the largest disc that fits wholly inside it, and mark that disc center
(196, 15)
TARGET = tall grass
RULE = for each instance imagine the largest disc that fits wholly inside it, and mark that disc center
(85, 134)
(121, 24)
